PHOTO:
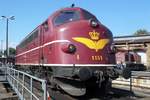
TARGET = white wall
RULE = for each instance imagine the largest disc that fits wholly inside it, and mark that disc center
(143, 57)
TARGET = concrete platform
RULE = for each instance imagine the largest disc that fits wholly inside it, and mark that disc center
(6, 92)
(145, 99)
(139, 93)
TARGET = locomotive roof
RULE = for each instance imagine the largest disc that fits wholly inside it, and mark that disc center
(63, 9)
(71, 8)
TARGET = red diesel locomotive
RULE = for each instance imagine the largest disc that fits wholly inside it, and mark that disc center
(74, 50)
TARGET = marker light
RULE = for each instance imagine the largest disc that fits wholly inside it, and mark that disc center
(113, 48)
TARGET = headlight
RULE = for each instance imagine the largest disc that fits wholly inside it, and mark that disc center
(93, 23)
(69, 48)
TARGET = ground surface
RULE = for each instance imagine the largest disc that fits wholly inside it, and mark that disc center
(6, 92)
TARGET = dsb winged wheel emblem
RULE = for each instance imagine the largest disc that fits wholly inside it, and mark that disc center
(94, 42)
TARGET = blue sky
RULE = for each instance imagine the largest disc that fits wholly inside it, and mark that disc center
(122, 17)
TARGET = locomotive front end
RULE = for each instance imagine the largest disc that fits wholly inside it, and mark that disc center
(87, 48)
(72, 50)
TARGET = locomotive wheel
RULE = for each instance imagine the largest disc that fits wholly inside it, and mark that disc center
(104, 89)
(106, 86)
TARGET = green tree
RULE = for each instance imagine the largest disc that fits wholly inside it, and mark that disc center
(141, 32)
(0, 53)
(12, 51)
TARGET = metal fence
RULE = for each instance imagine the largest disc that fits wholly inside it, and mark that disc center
(26, 86)
(139, 79)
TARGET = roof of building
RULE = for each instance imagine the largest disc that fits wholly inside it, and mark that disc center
(132, 39)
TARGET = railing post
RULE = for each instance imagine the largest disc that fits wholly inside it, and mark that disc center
(6, 73)
(17, 81)
(44, 87)
(23, 86)
(11, 75)
(8, 77)
(131, 82)
(14, 77)
(31, 89)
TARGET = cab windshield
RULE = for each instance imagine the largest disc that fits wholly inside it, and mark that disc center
(66, 16)
(88, 16)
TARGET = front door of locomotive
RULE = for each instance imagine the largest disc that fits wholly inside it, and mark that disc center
(41, 43)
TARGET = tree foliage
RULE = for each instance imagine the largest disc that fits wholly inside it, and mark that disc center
(12, 51)
(1, 53)
(141, 32)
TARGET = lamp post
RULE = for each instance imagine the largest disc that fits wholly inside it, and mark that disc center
(2, 48)
(7, 21)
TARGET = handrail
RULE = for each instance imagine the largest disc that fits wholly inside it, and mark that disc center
(140, 73)
(22, 87)
(137, 79)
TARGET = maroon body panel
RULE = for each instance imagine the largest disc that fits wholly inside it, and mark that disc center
(93, 44)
